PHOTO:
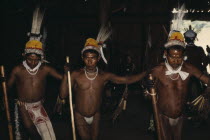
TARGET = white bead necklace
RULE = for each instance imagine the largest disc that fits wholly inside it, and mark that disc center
(30, 70)
(174, 78)
(91, 79)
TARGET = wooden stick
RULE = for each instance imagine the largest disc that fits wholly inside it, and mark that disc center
(125, 98)
(201, 104)
(70, 102)
(196, 99)
(122, 104)
(6, 104)
(155, 109)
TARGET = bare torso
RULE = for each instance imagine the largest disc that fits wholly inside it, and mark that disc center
(172, 94)
(31, 88)
(88, 93)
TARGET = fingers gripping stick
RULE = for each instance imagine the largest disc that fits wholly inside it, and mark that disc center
(152, 89)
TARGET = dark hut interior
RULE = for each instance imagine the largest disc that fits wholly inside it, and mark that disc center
(70, 22)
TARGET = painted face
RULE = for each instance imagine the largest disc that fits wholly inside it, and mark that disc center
(90, 60)
(175, 58)
(32, 60)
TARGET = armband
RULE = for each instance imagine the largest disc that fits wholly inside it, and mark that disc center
(60, 100)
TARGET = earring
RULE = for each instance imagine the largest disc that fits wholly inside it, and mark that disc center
(185, 58)
(164, 56)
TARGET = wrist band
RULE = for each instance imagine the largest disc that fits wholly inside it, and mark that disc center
(60, 100)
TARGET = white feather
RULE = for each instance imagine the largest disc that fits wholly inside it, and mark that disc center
(104, 33)
(177, 22)
(34, 21)
(37, 21)
(102, 55)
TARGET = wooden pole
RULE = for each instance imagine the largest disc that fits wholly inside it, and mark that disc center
(122, 104)
(70, 102)
(125, 97)
(155, 109)
(6, 103)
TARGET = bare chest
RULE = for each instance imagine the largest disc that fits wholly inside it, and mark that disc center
(168, 87)
(25, 77)
(84, 83)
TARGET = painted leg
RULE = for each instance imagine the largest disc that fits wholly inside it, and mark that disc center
(28, 124)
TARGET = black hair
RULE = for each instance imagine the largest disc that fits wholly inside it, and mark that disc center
(90, 51)
(175, 47)
(39, 55)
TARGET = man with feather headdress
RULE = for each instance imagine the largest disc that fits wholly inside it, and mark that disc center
(197, 57)
(195, 54)
(171, 83)
(30, 80)
(88, 84)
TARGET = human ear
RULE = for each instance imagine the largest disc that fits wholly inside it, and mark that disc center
(164, 54)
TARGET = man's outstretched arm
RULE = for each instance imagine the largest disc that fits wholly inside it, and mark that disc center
(127, 79)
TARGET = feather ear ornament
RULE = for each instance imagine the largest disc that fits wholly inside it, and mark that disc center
(104, 33)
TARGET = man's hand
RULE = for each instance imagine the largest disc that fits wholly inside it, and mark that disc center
(208, 49)
(59, 105)
(149, 83)
(66, 67)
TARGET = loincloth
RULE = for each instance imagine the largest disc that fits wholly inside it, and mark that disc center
(81, 120)
(172, 121)
(89, 120)
(40, 119)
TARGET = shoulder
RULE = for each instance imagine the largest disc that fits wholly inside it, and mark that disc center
(18, 68)
(190, 68)
(77, 72)
(200, 48)
(158, 67)
(106, 75)
(46, 67)
(188, 65)
(100, 71)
